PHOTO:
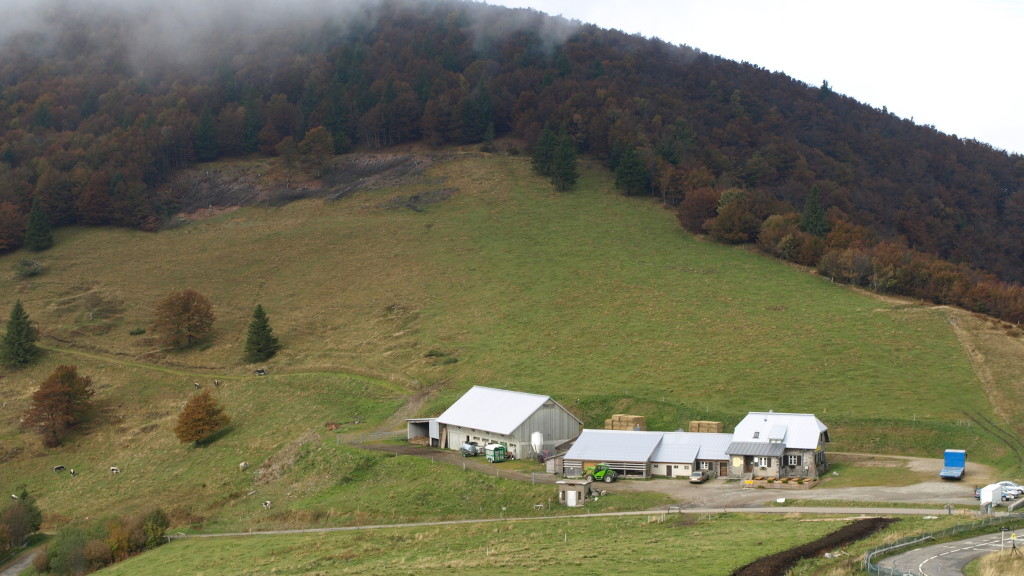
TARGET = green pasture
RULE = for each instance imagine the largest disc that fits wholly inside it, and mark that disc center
(598, 300)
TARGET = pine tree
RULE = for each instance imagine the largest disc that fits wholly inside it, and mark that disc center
(544, 152)
(630, 173)
(206, 137)
(563, 169)
(201, 417)
(813, 219)
(261, 344)
(18, 346)
(39, 235)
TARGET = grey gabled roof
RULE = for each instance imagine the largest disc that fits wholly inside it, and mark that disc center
(799, 431)
(614, 446)
(756, 449)
(494, 410)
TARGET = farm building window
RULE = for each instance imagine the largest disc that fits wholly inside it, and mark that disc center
(793, 459)
(763, 461)
(757, 434)
(705, 465)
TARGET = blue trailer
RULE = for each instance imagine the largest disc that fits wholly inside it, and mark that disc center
(954, 465)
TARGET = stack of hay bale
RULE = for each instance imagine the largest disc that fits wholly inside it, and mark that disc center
(625, 422)
(705, 426)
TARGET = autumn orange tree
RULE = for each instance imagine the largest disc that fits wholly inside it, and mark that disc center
(201, 417)
(184, 318)
(61, 402)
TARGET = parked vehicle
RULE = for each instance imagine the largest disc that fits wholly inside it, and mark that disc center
(699, 477)
(600, 472)
(470, 449)
(954, 465)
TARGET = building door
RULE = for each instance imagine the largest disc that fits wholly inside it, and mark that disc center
(723, 469)
(668, 470)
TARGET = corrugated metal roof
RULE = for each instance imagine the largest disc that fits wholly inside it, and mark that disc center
(801, 430)
(692, 446)
(493, 410)
(676, 447)
(714, 446)
(756, 449)
(614, 445)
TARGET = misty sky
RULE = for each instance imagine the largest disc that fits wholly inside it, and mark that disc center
(953, 64)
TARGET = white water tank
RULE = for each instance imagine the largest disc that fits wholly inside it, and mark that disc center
(537, 442)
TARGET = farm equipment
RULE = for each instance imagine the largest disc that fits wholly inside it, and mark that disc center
(496, 452)
(470, 449)
(600, 472)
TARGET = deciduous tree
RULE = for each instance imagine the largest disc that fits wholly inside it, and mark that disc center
(184, 318)
(317, 148)
(260, 344)
(201, 417)
(19, 344)
(19, 520)
(61, 402)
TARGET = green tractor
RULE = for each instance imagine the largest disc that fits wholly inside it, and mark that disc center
(600, 472)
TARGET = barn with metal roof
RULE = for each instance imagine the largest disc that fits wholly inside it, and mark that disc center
(519, 420)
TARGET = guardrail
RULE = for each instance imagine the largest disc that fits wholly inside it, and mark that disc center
(871, 568)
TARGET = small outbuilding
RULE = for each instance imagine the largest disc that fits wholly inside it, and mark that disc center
(573, 493)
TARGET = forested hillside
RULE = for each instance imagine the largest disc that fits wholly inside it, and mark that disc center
(100, 106)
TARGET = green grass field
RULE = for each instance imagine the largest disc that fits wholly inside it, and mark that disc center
(598, 300)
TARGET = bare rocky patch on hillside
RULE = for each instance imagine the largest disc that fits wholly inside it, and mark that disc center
(211, 189)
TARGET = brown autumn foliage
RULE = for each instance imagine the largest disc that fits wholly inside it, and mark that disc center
(94, 134)
(201, 417)
(183, 318)
(61, 402)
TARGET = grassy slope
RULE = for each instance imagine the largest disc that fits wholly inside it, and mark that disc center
(598, 300)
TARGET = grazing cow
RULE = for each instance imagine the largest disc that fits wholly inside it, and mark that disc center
(72, 472)
(58, 468)
(15, 496)
(115, 470)
(261, 371)
(197, 385)
(243, 466)
(216, 383)
(266, 504)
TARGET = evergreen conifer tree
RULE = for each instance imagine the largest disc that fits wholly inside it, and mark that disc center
(630, 173)
(18, 346)
(39, 235)
(544, 152)
(563, 170)
(260, 344)
(813, 219)
(206, 137)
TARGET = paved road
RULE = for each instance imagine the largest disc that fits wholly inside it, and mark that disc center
(19, 564)
(947, 559)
